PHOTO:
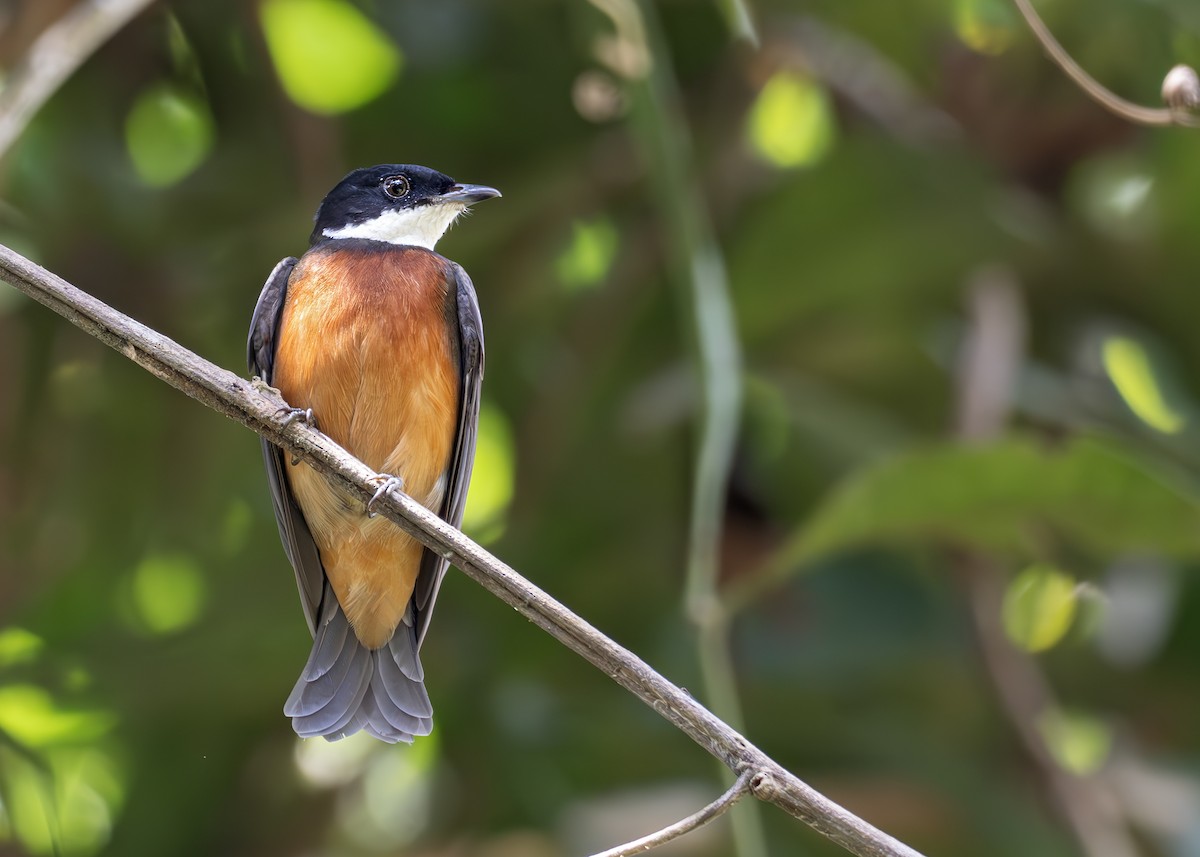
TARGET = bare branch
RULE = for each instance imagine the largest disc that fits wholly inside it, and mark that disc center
(238, 399)
(1156, 116)
(686, 825)
(57, 53)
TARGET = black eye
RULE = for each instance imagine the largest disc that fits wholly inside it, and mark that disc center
(395, 186)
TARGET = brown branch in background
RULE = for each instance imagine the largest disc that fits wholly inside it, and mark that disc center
(57, 53)
(1026, 697)
(858, 72)
(686, 825)
(988, 368)
(1178, 107)
(239, 400)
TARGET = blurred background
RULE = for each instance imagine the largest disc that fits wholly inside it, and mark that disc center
(947, 307)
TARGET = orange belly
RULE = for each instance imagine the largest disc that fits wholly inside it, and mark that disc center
(366, 343)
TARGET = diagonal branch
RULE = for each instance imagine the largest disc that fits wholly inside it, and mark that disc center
(238, 399)
(685, 825)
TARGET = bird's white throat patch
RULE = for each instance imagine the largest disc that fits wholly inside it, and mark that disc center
(420, 227)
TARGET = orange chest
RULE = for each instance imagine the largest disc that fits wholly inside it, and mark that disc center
(368, 340)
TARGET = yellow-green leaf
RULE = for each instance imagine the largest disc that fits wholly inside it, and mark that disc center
(18, 646)
(1129, 367)
(791, 123)
(492, 482)
(985, 26)
(1039, 607)
(586, 260)
(168, 592)
(30, 715)
(1079, 742)
(168, 134)
(330, 58)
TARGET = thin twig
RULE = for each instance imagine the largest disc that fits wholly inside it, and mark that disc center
(57, 53)
(239, 400)
(1155, 116)
(661, 837)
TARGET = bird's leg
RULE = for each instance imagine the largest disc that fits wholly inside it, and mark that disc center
(386, 483)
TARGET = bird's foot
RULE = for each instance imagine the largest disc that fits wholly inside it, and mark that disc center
(386, 483)
(291, 415)
(286, 411)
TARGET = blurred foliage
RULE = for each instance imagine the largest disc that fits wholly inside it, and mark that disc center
(859, 168)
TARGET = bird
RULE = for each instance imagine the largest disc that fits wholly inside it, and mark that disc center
(376, 339)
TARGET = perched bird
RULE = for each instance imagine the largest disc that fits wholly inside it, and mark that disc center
(378, 339)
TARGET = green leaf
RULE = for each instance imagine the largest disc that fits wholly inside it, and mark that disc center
(791, 123)
(491, 488)
(1129, 366)
(18, 646)
(168, 133)
(1079, 742)
(168, 592)
(586, 260)
(985, 26)
(30, 715)
(1000, 497)
(1039, 607)
(330, 58)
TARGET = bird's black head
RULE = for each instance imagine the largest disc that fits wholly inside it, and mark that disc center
(396, 203)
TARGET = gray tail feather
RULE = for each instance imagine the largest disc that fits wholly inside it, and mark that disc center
(346, 687)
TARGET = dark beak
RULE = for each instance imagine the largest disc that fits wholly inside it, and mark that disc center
(468, 193)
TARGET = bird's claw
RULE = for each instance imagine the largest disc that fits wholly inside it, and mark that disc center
(304, 415)
(387, 483)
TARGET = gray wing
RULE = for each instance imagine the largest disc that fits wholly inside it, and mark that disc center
(293, 529)
(458, 477)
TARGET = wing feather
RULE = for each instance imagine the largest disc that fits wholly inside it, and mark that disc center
(297, 541)
(458, 477)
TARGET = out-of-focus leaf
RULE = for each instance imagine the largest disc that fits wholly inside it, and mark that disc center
(1129, 367)
(492, 482)
(998, 496)
(329, 56)
(29, 715)
(1079, 742)
(67, 806)
(169, 133)
(586, 260)
(1039, 607)
(18, 646)
(985, 26)
(791, 124)
(168, 592)
(1116, 194)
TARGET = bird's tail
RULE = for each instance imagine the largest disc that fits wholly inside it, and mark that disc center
(346, 687)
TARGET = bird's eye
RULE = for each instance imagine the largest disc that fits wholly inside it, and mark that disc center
(395, 186)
